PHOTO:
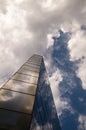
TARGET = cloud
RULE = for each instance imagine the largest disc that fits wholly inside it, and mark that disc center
(82, 73)
(55, 79)
(82, 122)
(77, 47)
(25, 26)
(66, 85)
(77, 51)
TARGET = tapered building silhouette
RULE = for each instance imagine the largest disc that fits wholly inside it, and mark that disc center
(26, 101)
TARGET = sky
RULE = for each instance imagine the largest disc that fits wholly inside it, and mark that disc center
(55, 29)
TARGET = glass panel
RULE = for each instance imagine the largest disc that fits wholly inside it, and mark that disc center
(44, 112)
(32, 65)
(13, 121)
(36, 55)
(30, 73)
(30, 68)
(35, 58)
(34, 61)
(16, 101)
(21, 87)
(25, 78)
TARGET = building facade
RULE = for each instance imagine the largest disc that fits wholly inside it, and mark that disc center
(26, 101)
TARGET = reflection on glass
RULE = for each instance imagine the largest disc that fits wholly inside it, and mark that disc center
(38, 61)
(34, 61)
(21, 87)
(30, 68)
(16, 101)
(26, 101)
(17, 96)
(32, 65)
(25, 78)
(44, 112)
(13, 120)
(30, 73)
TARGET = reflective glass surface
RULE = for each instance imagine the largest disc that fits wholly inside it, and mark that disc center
(13, 121)
(17, 96)
(16, 101)
(25, 78)
(44, 112)
(32, 65)
(21, 87)
(30, 68)
(35, 60)
(30, 73)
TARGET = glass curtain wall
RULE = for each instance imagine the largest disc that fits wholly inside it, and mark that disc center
(17, 96)
(26, 101)
(44, 112)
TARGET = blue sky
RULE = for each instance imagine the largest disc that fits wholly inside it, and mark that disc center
(57, 30)
(70, 87)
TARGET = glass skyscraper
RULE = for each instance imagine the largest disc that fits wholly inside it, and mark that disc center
(26, 101)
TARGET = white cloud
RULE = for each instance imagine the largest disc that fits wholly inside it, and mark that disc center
(25, 26)
(82, 122)
(61, 104)
(77, 47)
(82, 73)
(49, 40)
(55, 79)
